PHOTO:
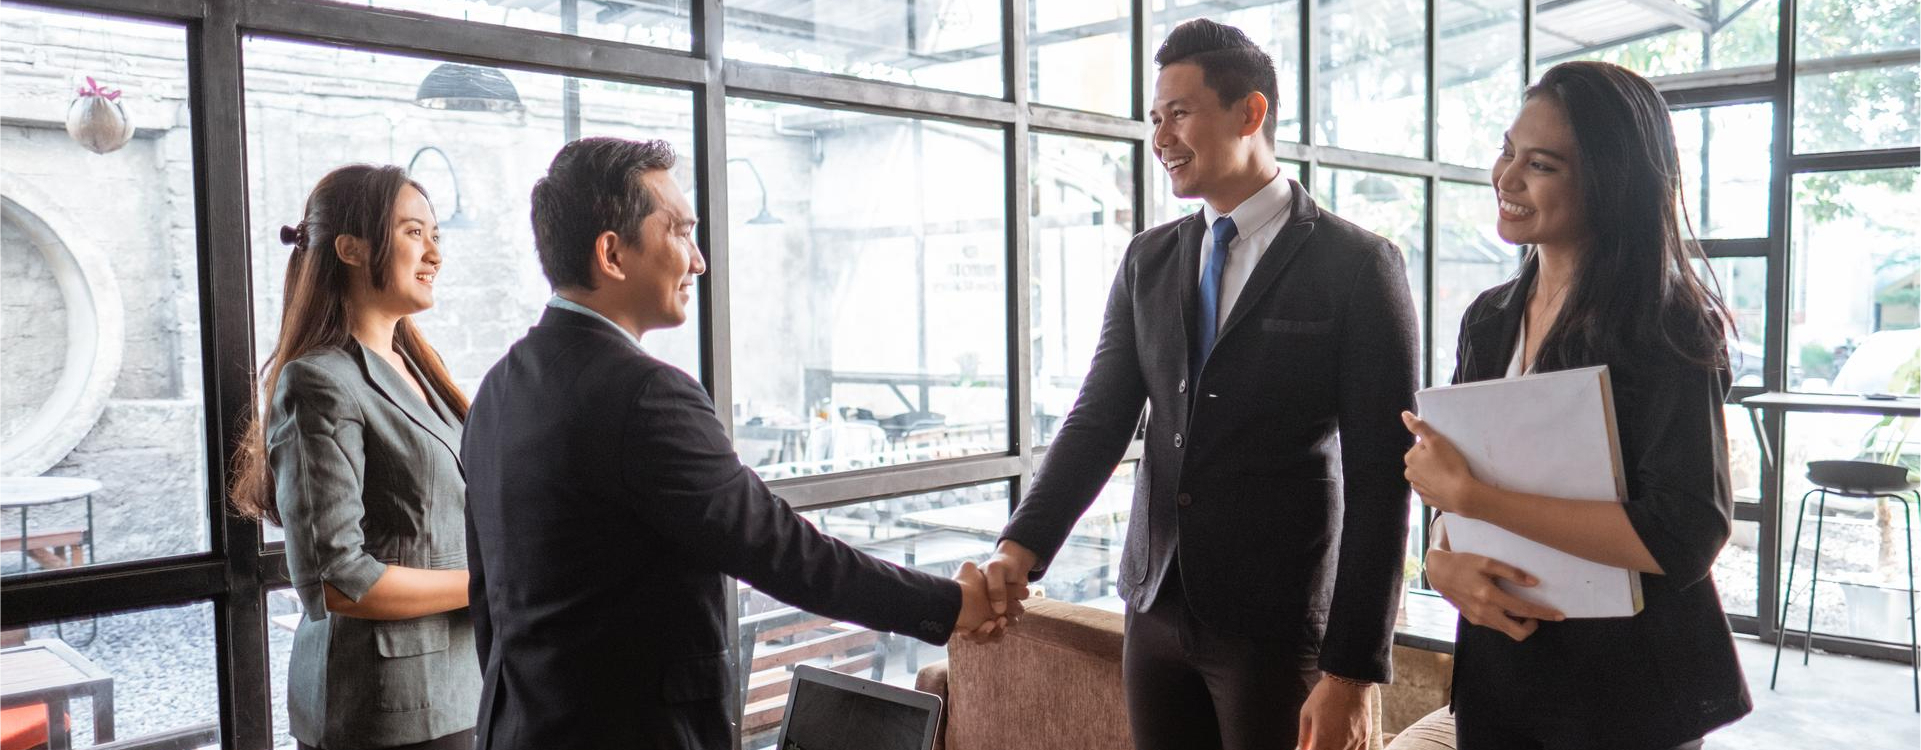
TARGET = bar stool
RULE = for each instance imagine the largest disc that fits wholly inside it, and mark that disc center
(1862, 479)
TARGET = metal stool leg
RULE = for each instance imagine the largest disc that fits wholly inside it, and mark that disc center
(1814, 576)
(1914, 644)
(1787, 592)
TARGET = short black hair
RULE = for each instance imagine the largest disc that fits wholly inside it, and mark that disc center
(593, 186)
(1231, 64)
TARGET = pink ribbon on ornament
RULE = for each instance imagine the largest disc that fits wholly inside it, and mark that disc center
(93, 89)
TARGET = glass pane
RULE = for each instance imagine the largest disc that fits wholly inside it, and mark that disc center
(477, 168)
(954, 45)
(102, 425)
(870, 316)
(1391, 206)
(1088, 567)
(1470, 257)
(1743, 285)
(1863, 591)
(1744, 454)
(1275, 27)
(1656, 40)
(655, 23)
(1082, 218)
(283, 618)
(113, 678)
(1855, 293)
(1169, 206)
(1737, 569)
(933, 532)
(1726, 184)
(1855, 75)
(1081, 54)
(1372, 76)
(1479, 67)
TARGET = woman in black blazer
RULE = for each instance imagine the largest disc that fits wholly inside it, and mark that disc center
(1589, 178)
(357, 457)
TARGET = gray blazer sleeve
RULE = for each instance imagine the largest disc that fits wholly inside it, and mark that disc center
(315, 448)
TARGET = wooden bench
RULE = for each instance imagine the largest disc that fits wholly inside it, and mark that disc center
(772, 643)
(60, 548)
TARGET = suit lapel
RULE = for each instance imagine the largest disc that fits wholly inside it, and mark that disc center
(1187, 242)
(391, 387)
(1302, 213)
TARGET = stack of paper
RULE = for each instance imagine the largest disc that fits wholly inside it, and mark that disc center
(1550, 434)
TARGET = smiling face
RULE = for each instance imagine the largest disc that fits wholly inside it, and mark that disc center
(669, 258)
(413, 260)
(1203, 145)
(1537, 179)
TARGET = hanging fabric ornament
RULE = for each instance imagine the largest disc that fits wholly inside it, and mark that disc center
(97, 121)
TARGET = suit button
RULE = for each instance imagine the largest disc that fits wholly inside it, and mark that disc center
(1177, 440)
(1184, 499)
(1182, 388)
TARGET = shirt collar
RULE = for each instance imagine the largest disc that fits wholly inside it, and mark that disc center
(572, 306)
(1259, 208)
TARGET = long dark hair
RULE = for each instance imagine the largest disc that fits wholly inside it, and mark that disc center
(1636, 284)
(353, 201)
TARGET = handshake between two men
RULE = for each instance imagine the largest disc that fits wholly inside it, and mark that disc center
(991, 593)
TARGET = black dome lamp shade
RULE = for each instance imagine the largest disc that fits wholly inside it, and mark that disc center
(468, 88)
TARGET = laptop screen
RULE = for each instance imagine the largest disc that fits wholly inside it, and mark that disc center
(833, 711)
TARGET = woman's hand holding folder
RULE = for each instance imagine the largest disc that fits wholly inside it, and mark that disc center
(1467, 581)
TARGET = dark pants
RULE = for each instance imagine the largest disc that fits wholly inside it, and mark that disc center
(1190, 687)
(461, 740)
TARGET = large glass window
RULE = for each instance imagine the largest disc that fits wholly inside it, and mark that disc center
(869, 319)
(102, 437)
(126, 678)
(1275, 27)
(1469, 258)
(1855, 291)
(1079, 53)
(1478, 65)
(1659, 38)
(1082, 217)
(1371, 69)
(655, 23)
(477, 165)
(1864, 579)
(954, 45)
(1856, 72)
(1726, 159)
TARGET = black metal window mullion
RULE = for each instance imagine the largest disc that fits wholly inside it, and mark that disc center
(1775, 329)
(1018, 162)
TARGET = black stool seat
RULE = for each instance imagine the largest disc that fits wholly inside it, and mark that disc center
(1861, 478)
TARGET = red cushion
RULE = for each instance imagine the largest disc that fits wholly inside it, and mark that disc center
(23, 727)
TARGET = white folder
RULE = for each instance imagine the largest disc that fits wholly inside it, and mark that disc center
(1550, 434)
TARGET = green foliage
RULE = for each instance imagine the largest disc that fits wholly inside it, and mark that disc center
(1817, 361)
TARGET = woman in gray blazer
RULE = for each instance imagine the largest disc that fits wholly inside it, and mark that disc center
(357, 457)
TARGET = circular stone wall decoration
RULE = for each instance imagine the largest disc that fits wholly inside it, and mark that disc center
(95, 330)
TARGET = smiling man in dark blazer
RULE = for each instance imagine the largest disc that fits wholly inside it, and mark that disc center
(604, 503)
(1275, 345)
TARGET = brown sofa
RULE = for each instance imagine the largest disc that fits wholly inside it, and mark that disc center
(1054, 682)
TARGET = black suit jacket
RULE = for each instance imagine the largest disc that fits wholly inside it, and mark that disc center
(604, 505)
(1669, 674)
(1275, 472)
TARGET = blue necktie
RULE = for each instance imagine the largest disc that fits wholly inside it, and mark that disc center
(1224, 232)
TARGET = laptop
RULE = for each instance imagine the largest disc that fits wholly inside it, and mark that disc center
(827, 710)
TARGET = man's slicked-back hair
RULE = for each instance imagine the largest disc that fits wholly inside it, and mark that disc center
(1231, 64)
(593, 186)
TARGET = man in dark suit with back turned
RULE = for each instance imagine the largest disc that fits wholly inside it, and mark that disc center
(1276, 345)
(604, 502)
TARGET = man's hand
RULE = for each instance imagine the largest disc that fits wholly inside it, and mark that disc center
(1470, 583)
(1006, 579)
(1334, 717)
(976, 615)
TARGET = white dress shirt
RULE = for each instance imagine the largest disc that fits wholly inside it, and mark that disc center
(1259, 220)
